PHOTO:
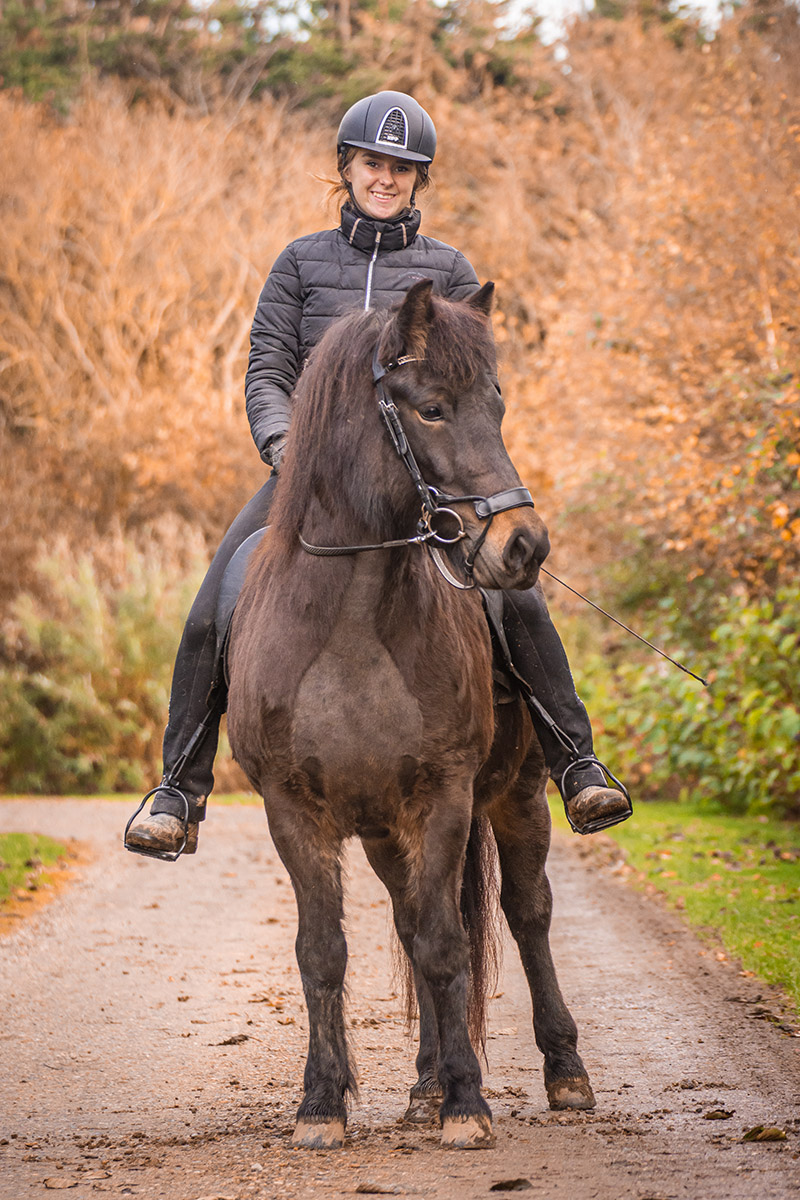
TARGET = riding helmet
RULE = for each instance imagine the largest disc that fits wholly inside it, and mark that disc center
(390, 123)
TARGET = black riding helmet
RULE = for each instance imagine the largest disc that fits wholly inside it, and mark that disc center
(389, 123)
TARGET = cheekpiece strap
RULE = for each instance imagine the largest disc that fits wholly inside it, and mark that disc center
(394, 425)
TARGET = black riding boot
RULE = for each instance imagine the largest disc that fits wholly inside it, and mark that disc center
(197, 702)
(566, 737)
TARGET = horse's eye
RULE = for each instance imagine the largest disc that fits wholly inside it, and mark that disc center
(431, 412)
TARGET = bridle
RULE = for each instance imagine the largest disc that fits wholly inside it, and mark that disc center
(435, 504)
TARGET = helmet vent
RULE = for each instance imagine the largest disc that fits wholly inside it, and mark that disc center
(394, 128)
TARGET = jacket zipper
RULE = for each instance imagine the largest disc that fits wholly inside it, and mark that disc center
(368, 295)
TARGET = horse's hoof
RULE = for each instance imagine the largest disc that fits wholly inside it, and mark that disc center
(571, 1093)
(319, 1133)
(423, 1110)
(467, 1133)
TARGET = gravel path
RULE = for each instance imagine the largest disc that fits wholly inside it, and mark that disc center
(153, 1038)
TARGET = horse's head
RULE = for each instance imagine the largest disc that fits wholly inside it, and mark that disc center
(451, 411)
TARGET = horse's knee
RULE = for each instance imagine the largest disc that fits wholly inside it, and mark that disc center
(441, 955)
(322, 958)
(529, 906)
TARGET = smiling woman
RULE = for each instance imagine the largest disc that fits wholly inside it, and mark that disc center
(382, 186)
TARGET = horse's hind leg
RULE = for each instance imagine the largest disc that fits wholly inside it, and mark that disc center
(388, 863)
(521, 826)
(314, 866)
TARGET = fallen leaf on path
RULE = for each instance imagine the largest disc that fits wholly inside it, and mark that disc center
(235, 1040)
(60, 1183)
(765, 1133)
(717, 1114)
(511, 1185)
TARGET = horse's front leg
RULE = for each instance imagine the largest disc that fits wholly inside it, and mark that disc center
(521, 824)
(389, 863)
(313, 862)
(441, 956)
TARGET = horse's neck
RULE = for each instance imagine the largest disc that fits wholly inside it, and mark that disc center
(377, 593)
(369, 505)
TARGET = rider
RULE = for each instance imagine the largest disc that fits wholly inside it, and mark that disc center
(385, 145)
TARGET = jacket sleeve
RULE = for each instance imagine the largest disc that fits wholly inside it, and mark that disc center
(463, 281)
(275, 351)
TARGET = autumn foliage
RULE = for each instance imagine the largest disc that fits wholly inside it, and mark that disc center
(636, 204)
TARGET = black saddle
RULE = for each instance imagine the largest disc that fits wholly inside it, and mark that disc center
(229, 592)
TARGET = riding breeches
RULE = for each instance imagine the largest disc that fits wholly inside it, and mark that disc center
(536, 651)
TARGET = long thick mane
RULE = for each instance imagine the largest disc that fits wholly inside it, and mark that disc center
(337, 443)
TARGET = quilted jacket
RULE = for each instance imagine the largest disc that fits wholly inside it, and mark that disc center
(363, 264)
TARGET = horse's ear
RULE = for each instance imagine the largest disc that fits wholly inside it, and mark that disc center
(482, 299)
(415, 316)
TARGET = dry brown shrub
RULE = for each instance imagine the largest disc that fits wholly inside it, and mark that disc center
(637, 210)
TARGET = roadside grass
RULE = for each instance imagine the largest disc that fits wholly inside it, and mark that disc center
(22, 856)
(736, 878)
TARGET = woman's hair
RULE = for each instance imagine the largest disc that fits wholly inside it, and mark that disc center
(339, 191)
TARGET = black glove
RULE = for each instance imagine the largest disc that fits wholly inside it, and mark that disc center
(274, 451)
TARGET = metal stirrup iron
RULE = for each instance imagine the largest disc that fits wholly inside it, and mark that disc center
(169, 784)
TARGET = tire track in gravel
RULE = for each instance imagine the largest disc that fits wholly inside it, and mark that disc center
(153, 1039)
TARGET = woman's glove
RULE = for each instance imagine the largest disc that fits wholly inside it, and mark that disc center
(274, 451)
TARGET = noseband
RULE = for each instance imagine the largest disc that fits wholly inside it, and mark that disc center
(435, 504)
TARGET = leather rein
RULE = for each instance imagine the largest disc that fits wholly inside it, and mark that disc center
(434, 503)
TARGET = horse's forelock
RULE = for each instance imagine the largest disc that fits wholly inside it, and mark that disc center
(460, 343)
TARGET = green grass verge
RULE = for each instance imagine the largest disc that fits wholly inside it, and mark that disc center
(21, 854)
(736, 878)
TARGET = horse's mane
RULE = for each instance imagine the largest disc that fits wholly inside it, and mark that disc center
(337, 442)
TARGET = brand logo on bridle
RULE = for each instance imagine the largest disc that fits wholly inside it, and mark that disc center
(394, 128)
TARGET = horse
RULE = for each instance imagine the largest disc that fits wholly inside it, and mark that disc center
(361, 698)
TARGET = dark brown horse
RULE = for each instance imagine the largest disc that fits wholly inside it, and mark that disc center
(361, 698)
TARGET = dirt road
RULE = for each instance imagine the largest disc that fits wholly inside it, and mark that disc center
(153, 1036)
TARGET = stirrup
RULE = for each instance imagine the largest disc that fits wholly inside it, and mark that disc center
(601, 822)
(164, 855)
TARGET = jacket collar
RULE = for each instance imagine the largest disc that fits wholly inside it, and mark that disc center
(360, 230)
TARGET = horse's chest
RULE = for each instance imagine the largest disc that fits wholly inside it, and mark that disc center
(356, 722)
(356, 703)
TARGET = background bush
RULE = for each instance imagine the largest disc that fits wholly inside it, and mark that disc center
(734, 745)
(83, 699)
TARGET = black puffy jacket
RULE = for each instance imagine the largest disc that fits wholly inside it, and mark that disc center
(362, 264)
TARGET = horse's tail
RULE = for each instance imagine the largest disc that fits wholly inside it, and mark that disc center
(480, 911)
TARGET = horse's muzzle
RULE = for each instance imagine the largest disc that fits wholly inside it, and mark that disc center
(515, 548)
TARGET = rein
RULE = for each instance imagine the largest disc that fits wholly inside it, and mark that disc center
(434, 504)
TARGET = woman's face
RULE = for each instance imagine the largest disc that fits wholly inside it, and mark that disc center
(382, 185)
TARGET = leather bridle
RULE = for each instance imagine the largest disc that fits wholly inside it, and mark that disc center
(435, 504)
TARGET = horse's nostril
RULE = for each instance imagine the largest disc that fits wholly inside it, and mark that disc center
(519, 552)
